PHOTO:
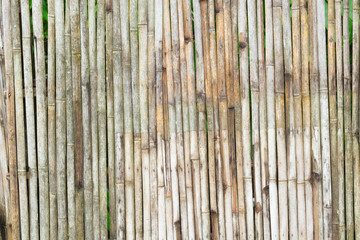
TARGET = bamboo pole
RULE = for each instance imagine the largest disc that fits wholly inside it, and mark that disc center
(85, 94)
(94, 120)
(19, 120)
(30, 121)
(118, 123)
(128, 128)
(270, 106)
(305, 97)
(109, 81)
(52, 118)
(355, 116)
(41, 108)
(70, 151)
(298, 121)
(315, 124)
(160, 141)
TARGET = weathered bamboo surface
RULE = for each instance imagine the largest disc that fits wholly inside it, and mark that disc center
(179, 119)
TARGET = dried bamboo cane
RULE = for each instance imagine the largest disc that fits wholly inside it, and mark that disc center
(100, 63)
(30, 120)
(154, 209)
(14, 230)
(263, 123)
(270, 106)
(305, 96)
(160, 141)
(128, 127)
(70, 151)
(315, 124)
(324, 118)
(19, 120)
(245, 113)
(355, 116)
(52, 118)
(86, 122)
(298, 118)
(41, 108)
(118, 123)
(94, 120)
(109, 81)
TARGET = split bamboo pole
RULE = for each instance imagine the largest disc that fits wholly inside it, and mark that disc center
(160, 141)
(118, 123)
(109, 82)
(41, 117)
(128, 127)
(86, 122)
(315, 124)
(94, 120)
(30, 120)
(70, 151)
(101, 97)
(355, 116)
(305, 96)
(19, 120)
(298, 120)
(51, 71)
(270, 106)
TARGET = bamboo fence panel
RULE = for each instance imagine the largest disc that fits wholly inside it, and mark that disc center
(179, 119)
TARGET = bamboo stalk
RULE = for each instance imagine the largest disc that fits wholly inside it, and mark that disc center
(70, 151)
(52, 118)
(109, 81)
(85, 93)
(94, 120)
(298, 118)
(128, 128)
(118, 123)
(30, 121)
(19, 121)
(315, 125)
(270, 106)
(355, 116)
(41, 108)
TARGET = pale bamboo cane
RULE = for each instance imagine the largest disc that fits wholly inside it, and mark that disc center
(19, 120)
(86, 121)
(270, 106)
(30, 120)
(109, 82)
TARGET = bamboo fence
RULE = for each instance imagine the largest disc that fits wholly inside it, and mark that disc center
(179, 119)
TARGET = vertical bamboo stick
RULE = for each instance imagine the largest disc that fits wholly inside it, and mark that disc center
(315, 124)
(245, 113)
(94, 120)
(19, 120)
(305, 96)
(160, 141)
(298, 118)
(270, 106)
(109, 81)
(41, 108)
(85, 93)
(52, 118)
(128, 129)
(355, 116)
(263, 122)
(70, 151)
(30, 120)
(118, 123)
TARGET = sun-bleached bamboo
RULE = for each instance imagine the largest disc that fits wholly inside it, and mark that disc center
(298, 121)
(85, 95)
(30, 121)
(270, 106)
(41, 117)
